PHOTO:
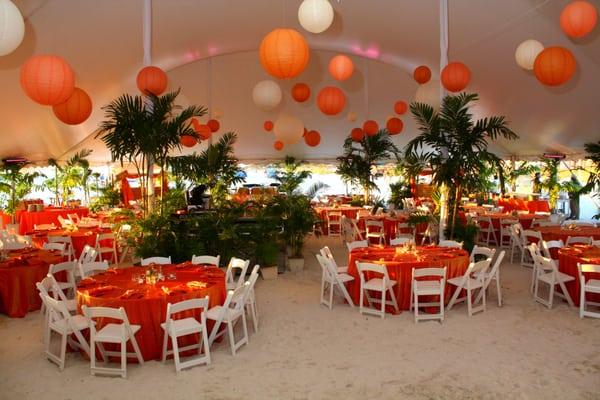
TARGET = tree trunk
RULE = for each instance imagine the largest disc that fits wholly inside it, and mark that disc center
(443, 210)
(150, 184)
(501, 178)
(457, 193)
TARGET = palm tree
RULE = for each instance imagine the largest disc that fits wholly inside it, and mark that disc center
(74, 173)
(289, 175)
(454, 144)
(16, 185)
(143, 131)
(357, 164)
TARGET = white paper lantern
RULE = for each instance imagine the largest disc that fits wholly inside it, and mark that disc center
(266, 94)
(288, 129)
(429, 93)
(527, 52)
(315, 15)
(12, 27)
(351, 116)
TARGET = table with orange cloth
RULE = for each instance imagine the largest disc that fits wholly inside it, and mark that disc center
(399, 266)
(18, 275)
(79, 238)
(524, 219)
(563, 233)
(348, 212)
(390, 224)
(146, 304)
(28, 219)
(568, 258)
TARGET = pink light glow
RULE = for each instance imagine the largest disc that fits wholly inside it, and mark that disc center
(370, 52)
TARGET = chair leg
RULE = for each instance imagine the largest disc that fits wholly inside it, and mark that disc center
(136, 349)
(581, 302)
(165, 344)
(206, 346)
(383, 293)
(394, 301)
(498, 290)
(454, 297)
(331, 285)
(123, 359)
(469, 305)
(416, 313)
(566, 294)
(176, 353)
(551, 299)
(63, 350)
(231, 337)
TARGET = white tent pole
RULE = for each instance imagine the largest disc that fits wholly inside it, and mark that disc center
(443, 63)
(147, 32)
(209, 92)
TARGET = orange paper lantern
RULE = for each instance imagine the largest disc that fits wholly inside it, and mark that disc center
(422, 74)
(455, 76)
(312, 138)
(341, 67)
(278, 145)
(300, 92)
(578, 19)
(268, 125)
(188, 141)
(152, 80)
(394, 126)
(76, 109)
(554, 66)
(204, 131)
(214, 125)
(357, 134)
(284, 53)
(47, 80)
(331, 100)
(400, 107)
(371, 127)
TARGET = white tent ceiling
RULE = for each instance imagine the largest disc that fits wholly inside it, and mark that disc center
(102, 41)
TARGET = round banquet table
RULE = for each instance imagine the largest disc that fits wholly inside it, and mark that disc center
(18, 276)
(390, 224)
(400, 265)
(349, 212)
(28, 219)
(79, 238)
(524, 219)
(568, 258)
(562, 233)
(146, 304)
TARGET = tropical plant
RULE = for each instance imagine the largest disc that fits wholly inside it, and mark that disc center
(216, 167)
(512, 170)
(74, 173)
(143, 131)
(290, 175)
(297, 219)
(15, 185)
(550, 181)
(358, 164)
(109, 197)
(455, 145)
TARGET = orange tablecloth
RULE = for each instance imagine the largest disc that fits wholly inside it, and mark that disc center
(559, 233)
(390, 224)
(18, 276)
(538, 205)
(399, 267)
(80, 238)
(146, 305)
(28, 219)
(568, 257)
(349, 212)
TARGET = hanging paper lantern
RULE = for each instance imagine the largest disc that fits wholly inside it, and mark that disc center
(341, 67)
(357, 134)
(188, 141)
(203, 131)
(429, 93)
(278, 145)
(554, 66)
(266, 94)
(268, 125)
(47, 80)
(284, 53)
(76, 109)
(371, 127)
(312, 138)
(527, 52)
(400, 107)
(331, 100)
(422, 74)
(315, 15)
(351, 116)
(214, 125)
(288, 129)
(578, 19)
(455, 76)
(217, 113)
(394, 126)
(300, 92)
(152, 79)
(12, 27)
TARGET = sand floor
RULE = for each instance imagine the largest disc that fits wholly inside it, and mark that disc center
(305, 351)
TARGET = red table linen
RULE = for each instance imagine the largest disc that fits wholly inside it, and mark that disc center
(568, 258)
(560, 233)
(28, 219)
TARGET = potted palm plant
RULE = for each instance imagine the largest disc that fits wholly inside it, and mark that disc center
(15, 185)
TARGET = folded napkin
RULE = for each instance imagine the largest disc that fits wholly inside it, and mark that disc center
(132, 295)
(101, 291)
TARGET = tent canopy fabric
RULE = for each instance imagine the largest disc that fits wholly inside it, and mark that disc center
(210, 50)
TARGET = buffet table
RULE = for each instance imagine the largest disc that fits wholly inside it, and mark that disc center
(146, 304)
(568, 258)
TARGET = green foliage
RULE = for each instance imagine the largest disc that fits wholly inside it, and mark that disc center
(290, 175)
(74, 173)
(296, 216)
(464, 232)
(15, 186)
(109, 197)
(550, 182)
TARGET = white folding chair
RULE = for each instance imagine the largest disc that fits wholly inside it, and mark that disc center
(505, 237)
(579, 240)
(55, 247)
(515, 241)
(375, 230)
(88, 255)
(156, 260)
(74, 218)
(473, 279)
(383, 285)
(481, 253)
(334, 220)
(67, 242)
(588, 286)
(210, 260)
(450, 243)
(596, 243)
(64, 222)
(192, 325)
(493, 274)
(251, 308)
(357, 244)
(68, 268)
(104, 248)
(402, 228)
(534, 253)
(549, 245)
(60, 321)
(236, 264)
(89, 269)
(326, 252)
(116, 333)
(358, 233)
(122, 243)
(399, 241)
(486, 227)
(330, 279)
(230, 313)
(429, 234)
(526, 239)
(547, 272)
(428, 287)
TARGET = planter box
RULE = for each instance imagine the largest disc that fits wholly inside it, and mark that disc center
(269, 273)
(296, 264)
